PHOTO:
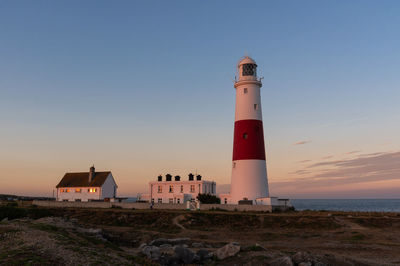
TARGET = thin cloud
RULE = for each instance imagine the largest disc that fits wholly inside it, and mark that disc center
(302, 142)
(352, 152)
(327, 157)
(304, 161)
(364, 168)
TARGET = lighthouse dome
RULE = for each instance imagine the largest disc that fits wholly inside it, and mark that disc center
(247, 60)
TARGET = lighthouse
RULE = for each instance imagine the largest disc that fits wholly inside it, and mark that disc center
(249, 171)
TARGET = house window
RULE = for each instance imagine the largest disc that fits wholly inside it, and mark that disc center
(178, 201)
(92, 190)
(65, 200)
(226, 201)
(181, 188)
(159, 200)
(245, 135)
(62, 190)
(171, 200)
(159, 189)
(245, 90)
(192, 188)
(171, 189)
(255, 106)
(78, 190)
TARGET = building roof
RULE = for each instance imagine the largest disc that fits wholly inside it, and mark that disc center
(246, 60)
(82, 179)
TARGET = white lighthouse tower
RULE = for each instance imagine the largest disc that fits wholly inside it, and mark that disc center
(249, 171)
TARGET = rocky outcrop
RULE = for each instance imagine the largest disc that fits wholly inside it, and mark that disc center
(228, 250)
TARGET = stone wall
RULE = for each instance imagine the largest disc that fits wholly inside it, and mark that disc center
(144, 206)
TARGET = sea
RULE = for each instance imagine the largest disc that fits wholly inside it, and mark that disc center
(362, 205)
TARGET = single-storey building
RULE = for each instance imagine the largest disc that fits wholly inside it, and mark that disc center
(87, 186)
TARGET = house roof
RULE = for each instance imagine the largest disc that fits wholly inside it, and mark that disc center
(82, 179)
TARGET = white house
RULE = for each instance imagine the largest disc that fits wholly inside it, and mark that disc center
(87, 186)
(178, 191)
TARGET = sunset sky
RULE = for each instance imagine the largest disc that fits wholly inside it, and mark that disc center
(144, 88)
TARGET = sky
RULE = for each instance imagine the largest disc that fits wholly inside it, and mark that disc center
(144, 88)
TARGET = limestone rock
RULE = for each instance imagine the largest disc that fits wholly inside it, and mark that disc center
(152, 252)
(183, 254)
(203, 255)
(197, 245)
(282, 261)
(300, 257)
(228, 250)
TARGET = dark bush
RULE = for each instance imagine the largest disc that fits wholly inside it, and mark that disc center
(11, 212)
(208, 199)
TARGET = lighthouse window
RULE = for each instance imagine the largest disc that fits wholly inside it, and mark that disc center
(245, 90)
(249, 69)
(255, 106)
(245, 135)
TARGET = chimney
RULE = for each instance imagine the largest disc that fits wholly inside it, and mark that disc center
(91, 173)
(191, 176)
(160, 178)
(198, 177)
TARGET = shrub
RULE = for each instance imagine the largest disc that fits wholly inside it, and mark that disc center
(11, 212)
(208, 199)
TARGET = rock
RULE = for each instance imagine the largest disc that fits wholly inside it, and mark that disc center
(158, 242)
(203, 255)
(173, 241)
(165, 246)
(300, 257)
(93, 230)
(228, 250)
(183, 254)
(197, 245)
(178, 241)
(282, 261)
(152, 252)
(142, 246)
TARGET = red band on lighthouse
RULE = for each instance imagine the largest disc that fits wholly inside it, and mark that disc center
(248, 140)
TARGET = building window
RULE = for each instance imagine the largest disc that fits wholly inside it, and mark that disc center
(61, 190)
(65, 200)
(255, 106)
(92, 190)
(171, 189)
(226, 200)
(245, 135)
(181, 188)
(171, 200)
(178, 201)
(192, 188)
(78, 200)
(159, 189)
(159, 200)
(67, 190)
(245, 90)
(152, 200)
(78, 190)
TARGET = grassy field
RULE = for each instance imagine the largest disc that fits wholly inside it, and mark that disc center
(336, 238)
